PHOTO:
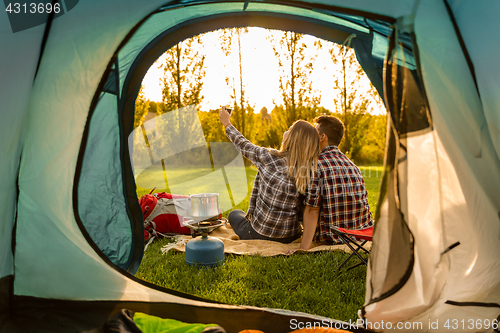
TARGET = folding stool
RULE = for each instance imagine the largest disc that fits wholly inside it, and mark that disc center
(355, 246)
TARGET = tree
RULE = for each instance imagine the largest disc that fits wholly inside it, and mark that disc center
(373, 148)
(351, 102)
(183, 72)
(300, 101)
(230, 39)
(212, 128)
(274, 134)
(183, 75)
(153, 106)
(348, 74)
(141, 108)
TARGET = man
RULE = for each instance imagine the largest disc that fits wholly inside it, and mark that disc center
(336, 196)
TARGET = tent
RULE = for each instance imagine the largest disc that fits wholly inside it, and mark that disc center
(68, 82)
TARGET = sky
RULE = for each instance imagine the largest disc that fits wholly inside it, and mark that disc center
(260, 73)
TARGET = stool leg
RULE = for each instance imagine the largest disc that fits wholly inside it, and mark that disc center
(348, 242)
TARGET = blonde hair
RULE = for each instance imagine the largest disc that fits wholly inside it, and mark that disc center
(301, 149)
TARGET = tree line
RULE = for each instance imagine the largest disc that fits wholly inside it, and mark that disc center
(182, 83)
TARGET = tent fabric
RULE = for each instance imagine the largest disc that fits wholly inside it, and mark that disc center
(486, 68)
(470, 205)
(62, 124)
(17, 72)
(29, 314)
(450, 207)
(442, 178)
(101, 178)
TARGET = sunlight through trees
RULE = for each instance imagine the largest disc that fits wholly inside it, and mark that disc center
(299, 58)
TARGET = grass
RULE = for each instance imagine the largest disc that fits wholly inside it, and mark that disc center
(305, 283)
(372, 176)
(302, 282)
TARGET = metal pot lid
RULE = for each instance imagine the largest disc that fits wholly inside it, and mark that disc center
(204, 195)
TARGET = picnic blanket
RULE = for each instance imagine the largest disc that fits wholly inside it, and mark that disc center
(234, 245)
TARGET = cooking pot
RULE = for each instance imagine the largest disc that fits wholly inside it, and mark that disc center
(204, 206)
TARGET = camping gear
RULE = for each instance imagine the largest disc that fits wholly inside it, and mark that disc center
(205, 251)
(355, 240)
(152, 324)
(163, 214)
(204, 206)
(68, 185)
(127, 321)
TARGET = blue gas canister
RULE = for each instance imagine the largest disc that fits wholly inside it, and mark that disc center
(205, 251)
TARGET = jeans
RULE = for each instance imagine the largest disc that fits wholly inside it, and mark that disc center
(244, 230)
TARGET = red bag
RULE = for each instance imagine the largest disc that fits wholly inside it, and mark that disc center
(164, 213)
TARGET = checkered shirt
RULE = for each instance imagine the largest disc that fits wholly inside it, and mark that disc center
(273, 207)
(339, 190)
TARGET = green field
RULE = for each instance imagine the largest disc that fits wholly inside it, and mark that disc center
(202, 180)
(155, 177)
(300, 282)
(372, 176)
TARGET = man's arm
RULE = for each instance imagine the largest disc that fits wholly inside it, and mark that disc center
(311, 216)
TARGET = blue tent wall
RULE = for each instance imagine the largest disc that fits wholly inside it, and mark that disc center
(19, 56)
(475, 23)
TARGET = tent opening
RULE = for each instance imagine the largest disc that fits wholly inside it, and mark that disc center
(184, 150)
(109, 214)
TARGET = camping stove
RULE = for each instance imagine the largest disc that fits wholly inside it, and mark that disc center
(204, 251)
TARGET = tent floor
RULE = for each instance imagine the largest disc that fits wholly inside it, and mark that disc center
(30, 314)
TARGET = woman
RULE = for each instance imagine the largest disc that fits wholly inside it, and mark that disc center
(282, 175)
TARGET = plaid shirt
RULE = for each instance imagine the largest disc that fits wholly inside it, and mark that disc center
(273, 208)
(339, 190)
